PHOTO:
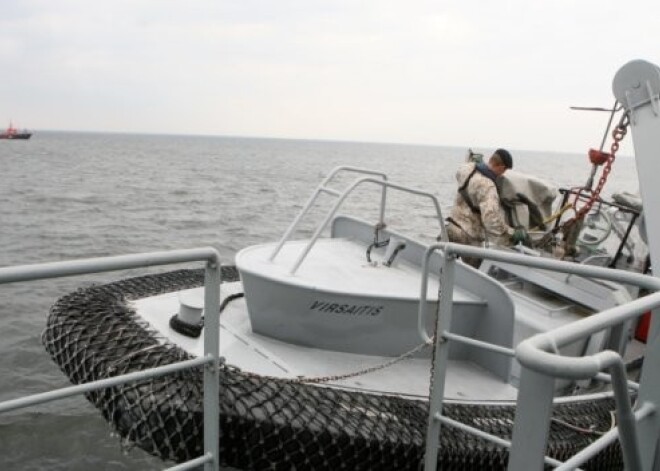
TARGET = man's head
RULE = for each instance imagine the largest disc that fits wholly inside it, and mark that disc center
(500, 161)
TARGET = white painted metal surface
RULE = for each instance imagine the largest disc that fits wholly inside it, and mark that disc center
(636, 86)
(324, 297)
(270, 357)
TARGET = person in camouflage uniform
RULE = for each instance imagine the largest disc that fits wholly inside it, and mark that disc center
(476, 217)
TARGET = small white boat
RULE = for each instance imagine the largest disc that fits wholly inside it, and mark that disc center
(328, 342)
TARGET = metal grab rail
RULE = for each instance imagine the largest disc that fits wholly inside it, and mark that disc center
(637, 279)
(532, 354)
(210, 360)
(608, 438)
(62, 393)
(341, 198)
(322, 188)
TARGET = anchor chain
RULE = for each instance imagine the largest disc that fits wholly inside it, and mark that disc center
(600, 158)
(329, 378)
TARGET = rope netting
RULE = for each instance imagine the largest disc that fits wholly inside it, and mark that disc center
(268, 423)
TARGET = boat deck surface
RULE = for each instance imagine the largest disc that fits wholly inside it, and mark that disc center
(243, 348)
(341, 265)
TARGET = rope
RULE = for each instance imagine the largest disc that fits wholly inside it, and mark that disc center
(558, 214)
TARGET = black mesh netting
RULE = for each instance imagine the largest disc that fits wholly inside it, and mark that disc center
(268, 423)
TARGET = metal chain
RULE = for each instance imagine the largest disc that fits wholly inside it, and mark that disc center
(618, 133)
(326, 379)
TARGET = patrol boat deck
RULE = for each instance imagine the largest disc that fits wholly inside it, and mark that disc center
(277, 298)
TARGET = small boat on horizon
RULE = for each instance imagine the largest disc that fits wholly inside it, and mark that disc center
(14, 133)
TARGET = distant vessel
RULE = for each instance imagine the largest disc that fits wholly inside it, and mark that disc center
(13, 133)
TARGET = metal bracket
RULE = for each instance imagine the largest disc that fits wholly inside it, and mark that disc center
(655, 98)
(637, 84)
(649, 97)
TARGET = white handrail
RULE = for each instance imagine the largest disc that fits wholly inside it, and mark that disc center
(322, 188)
(210, 360)
(540, 353)
(343, 197)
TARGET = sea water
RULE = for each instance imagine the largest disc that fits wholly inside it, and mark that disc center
(76, 195)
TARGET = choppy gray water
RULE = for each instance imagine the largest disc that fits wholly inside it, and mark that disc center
(69, 195)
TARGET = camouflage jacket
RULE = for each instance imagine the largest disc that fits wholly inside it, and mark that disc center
(473, 228)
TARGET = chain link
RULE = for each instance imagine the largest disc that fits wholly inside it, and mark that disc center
(329, 378)
(618, 133)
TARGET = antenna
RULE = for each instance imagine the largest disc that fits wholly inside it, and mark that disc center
(596, 108)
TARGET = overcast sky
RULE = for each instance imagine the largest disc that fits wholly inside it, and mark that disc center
(464, 72)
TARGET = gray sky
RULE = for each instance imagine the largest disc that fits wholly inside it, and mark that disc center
(464, 72)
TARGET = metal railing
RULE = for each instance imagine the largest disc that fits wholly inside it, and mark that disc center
(322, 188)
(538, 356)
(541, 364)
(210, 360)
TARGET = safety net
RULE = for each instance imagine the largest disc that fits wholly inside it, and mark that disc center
(270, 423)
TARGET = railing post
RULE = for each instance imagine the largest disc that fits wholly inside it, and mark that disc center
(625, 416)
(210, 360)
(383, 199)
(441, 355)
(532, 421)
(212, 349)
